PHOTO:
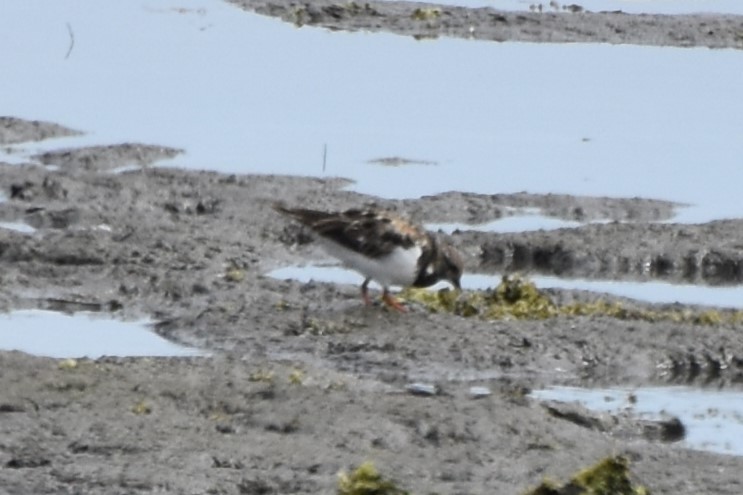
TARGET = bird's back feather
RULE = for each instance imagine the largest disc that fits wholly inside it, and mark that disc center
(369, 232)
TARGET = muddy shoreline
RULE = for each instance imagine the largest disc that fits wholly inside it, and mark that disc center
(577, 25)
(301, 380)
(159, 242)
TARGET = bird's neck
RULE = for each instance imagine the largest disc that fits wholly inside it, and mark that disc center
(428, 265)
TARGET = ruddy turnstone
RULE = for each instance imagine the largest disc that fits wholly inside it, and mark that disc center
(382, 247)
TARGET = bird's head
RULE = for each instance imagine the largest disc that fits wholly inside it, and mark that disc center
(451, 266)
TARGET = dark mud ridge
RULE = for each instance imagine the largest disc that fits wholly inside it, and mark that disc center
(302, 380)
(14, 130)
(571, 25)
(661, 252)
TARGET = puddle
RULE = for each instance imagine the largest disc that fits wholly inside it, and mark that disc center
(653, 292)
(48, 333)
(12, 156)
(627, 6)
(22, 227)
(713, 419)
(516, 223)
(607, 124)
(130, 168)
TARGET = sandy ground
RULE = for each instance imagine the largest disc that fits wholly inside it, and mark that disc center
(302, 380)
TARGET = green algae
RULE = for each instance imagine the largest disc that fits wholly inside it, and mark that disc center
(514, 298)
(234, 274)
(517, 298)
(610, 476)
(366, 480)
(426, 14)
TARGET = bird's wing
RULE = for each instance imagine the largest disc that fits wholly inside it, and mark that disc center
(369, 232)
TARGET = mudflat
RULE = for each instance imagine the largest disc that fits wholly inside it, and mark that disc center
(300, 381)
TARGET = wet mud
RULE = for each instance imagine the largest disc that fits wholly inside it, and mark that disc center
(572, 24)
(303, 381)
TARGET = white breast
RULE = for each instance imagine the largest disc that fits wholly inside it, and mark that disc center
(398, 268)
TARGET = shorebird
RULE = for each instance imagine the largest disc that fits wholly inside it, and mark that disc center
(382, 247)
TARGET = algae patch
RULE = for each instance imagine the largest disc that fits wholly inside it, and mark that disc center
(141, 407)
(426, 14)
(517, 298)
(234, 274)
(366, 480)
(514, 298)
(610, 476)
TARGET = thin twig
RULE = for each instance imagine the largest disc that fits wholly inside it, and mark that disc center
(72, 41)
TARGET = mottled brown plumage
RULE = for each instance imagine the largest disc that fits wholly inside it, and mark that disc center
(382, 246)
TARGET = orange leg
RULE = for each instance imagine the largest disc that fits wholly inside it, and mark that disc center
(365, 292)
(390, 300)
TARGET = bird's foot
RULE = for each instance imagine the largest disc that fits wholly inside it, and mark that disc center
(390, 300)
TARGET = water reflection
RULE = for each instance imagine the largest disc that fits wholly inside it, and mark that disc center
(653, 292)
(48, 333)
(713, 418)
(496, 117)
(516, 223)
(21, 227)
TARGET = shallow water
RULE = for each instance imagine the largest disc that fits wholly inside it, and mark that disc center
(654, 292)
(515, 223)
(48, 333)
(713, 418)
(494, 117)
(580, 119)
(22, 227)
